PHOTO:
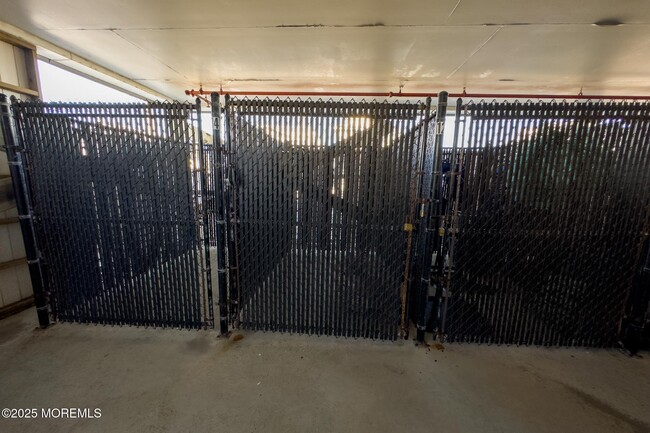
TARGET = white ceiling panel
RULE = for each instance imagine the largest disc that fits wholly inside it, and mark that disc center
(475, 12)
(560, 56)
(109, 48)
(341, 56)
(358, 45)
(152, 14)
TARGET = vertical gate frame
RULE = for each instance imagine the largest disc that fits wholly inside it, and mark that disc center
(451, 225)
(409, 225)
(204, 226)
(25, 215)
(230, 206)
(221, 232)
(430, 194)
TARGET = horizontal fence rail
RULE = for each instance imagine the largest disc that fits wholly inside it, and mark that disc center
(553, 213)
(320, 194)
(115, 195)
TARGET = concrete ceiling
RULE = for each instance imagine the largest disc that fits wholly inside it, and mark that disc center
(530, 46)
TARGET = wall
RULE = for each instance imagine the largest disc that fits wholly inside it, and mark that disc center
(19, 78)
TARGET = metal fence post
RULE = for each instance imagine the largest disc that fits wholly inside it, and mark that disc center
(19, 182)
(204, 207)
(221, 212)
(230, 215)
(430, 195)
(455, 181)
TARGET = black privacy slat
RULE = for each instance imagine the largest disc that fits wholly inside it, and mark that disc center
(554, 209)
(321, 193)
(114, 199)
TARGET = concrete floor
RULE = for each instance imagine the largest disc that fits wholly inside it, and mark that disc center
(147, 380)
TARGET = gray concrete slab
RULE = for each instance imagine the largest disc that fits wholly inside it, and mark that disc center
(150, 380)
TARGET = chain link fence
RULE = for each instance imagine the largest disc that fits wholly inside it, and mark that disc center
(553, 212)
(345, 218)
(321, 192)
(116, 204)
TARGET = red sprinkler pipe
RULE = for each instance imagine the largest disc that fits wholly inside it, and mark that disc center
(535, 96)
(420, 95)
(341, 94)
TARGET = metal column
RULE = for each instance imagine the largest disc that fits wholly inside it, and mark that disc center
(21, 192)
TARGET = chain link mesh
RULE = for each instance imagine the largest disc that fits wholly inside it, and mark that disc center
(114, 194)
(554, 210)
(322, 190)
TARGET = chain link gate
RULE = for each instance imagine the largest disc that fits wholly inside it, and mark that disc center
(322, 213)
(317, 193)
(552, 211)
(117, 199)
